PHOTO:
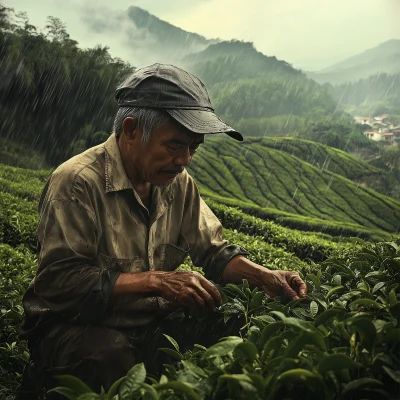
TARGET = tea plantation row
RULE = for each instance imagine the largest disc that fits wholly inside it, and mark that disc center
(265, 177)
(322, 156)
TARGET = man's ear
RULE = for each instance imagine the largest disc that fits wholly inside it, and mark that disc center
(129, 128)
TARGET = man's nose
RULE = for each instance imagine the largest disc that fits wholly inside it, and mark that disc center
(184, 158)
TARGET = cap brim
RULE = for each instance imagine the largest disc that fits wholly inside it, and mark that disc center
(201, 121)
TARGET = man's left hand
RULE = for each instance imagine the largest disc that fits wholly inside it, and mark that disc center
(283, 283)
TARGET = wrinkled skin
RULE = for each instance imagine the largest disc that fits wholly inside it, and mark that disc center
(189, 289)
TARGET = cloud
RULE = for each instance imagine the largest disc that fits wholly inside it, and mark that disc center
(291, 30)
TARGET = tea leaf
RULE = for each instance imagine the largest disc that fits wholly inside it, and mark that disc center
(181, 387)
(359, 384)
(335, 362)
(133, 381)
(73, 383)
(225, 346)
(172, 341)
(328, 314)
(313, 308)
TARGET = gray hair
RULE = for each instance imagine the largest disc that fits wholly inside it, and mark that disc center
(148, 120)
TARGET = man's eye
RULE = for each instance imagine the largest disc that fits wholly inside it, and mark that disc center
(173, 148)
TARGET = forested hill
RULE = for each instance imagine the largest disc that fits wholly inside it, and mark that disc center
(254, 175)
(378, 92)
(245, 84)
(228, 61)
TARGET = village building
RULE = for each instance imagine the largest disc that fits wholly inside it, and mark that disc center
(382, 129)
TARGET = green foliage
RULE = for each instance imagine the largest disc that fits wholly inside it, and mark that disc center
(64, 87)
(17, 267)
(252, 175)
(324, 157)
(389, 160)
(377, 94)
(333, 341)
(331, 344)
(18, 155)
(278, 125)
(18, 221)
(304, 247)
(258, 93)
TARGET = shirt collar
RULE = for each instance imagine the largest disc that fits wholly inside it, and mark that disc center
(116, 178)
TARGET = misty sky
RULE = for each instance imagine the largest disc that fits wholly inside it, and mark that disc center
(310, 34)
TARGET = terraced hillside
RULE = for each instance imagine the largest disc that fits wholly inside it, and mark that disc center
(252, 174)
(322, 156)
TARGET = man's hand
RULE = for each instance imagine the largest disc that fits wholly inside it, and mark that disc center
(188, 289)
(283, 283)
(274, 283)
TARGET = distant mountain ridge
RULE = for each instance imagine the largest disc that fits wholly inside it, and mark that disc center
(169, 42)
(384, 58)
(386, 49)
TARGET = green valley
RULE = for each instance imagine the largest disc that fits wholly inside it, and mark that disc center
(260, 176)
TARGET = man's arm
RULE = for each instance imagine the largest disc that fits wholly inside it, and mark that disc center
(274, 283)
(227, 263)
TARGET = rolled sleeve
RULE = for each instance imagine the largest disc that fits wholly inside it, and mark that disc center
(216, 272)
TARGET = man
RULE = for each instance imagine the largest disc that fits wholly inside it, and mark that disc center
(115, 223)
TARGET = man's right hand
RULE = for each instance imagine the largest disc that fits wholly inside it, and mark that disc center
(188, 289)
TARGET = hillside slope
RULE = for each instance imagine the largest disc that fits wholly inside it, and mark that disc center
(384, 58)
(321, 156)
(264, 177)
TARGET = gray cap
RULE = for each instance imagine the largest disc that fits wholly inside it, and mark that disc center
(183, 96)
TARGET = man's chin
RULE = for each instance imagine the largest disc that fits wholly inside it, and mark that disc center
(165, 182)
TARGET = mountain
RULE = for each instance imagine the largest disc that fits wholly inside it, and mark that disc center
(254, 175)
(248, 87)
(377, 94)
(384, 58)
(164, 41)
(235, 59)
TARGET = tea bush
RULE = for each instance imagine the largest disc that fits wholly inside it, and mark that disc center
(340, 342)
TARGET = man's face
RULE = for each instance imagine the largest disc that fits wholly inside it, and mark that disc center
(168, 153)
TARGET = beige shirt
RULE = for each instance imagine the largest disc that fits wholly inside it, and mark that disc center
(93, 226)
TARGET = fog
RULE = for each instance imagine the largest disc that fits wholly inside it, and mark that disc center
(310, 34)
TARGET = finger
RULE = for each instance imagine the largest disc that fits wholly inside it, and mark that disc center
(299, 286)
(200, 304)
(288, 291)
(212, 290)
(207, 298)
(187, 300)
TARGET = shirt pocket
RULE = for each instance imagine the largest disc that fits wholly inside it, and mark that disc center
(172, 255)
(119, 264)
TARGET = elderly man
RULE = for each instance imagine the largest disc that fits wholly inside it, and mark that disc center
(115, 223)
